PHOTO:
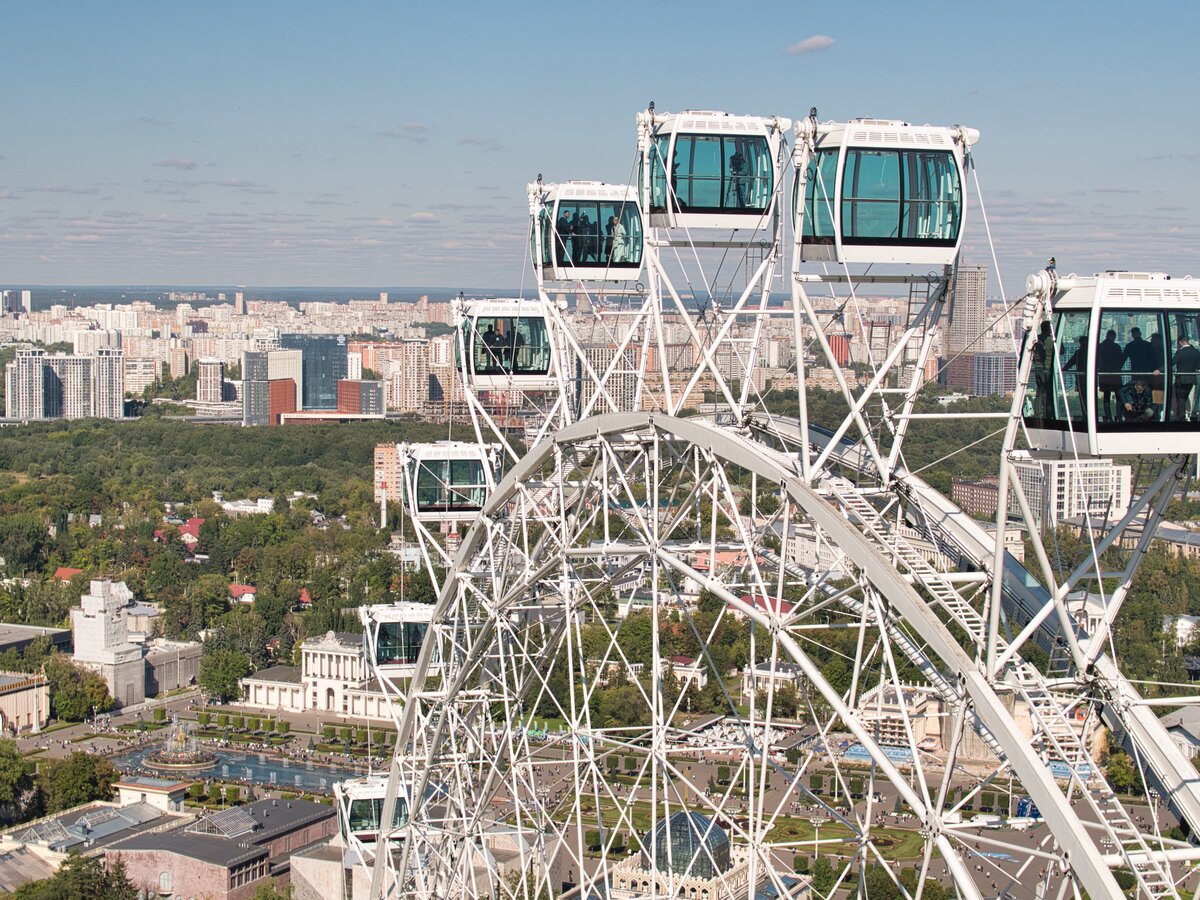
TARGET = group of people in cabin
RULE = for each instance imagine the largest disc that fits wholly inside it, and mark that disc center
(1133, 375)
(582, 241)
(501, 353)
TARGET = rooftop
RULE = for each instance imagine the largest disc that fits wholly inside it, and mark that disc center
(344, 639)
(20, 679)
(218, 851)
(147, 783)
(11, 633)
(94, 825)
(278, 674)
(19, 866)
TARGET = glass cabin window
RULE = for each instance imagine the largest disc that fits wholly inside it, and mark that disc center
(1058, 373)
(871, 195)
(547, 236)
(932, 202)
(448, 485)
(509, 345)
(1183, 364)
(364, 814)
(598, 234)
(658, 173)
(399, 643)
(905, 197)
(820, 186)
(713, 173)
(1145, 376)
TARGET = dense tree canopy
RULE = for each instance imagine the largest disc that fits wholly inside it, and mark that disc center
(80, 778)
(75, 692)
(82, 878)
(220, 671)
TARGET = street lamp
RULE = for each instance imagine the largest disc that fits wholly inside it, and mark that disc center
(817, 822)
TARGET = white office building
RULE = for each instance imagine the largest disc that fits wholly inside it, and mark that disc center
(1059, 489)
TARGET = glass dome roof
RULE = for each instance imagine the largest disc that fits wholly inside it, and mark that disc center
(689, 843)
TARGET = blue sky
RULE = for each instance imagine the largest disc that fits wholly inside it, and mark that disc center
(390, 143)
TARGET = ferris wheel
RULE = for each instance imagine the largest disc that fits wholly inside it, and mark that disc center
(699, 643)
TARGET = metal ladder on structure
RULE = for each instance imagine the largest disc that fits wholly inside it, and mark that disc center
(1061, 739)
(1046, 709)
(910, 559)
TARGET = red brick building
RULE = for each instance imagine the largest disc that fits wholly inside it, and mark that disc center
(226, 855)
(357, 397)
(281, 398)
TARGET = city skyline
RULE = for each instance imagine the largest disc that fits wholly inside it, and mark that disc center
(392, 145)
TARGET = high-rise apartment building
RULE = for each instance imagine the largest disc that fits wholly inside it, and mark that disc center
(24, 385)
(621, 385)
(389, 479)
(210, 380)
(968, 310)
(108, 384)
(354, 365)
(68, 387)
(408, 377)
(239, 303)
(324, 359)
(993, 374)
(27, 302)
(179, 361)
(255, 390)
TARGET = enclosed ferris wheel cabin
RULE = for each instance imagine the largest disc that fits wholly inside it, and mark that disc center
(586, 231)
(880, 191)
(704, 169)
(447, 481)
(505, 345)
(1113, 367)
(360, 809)
(395, 633)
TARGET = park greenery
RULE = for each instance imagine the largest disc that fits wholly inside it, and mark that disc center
(26, 792)
(82, 878)
(136, 474)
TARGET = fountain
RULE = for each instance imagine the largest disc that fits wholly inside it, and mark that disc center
(180, 752)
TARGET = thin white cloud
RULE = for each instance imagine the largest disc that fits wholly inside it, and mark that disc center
(423, 218)
(811, 44)
(241, 184)
(417, 132)
(62, 189)
(475, 140)
(176, 163)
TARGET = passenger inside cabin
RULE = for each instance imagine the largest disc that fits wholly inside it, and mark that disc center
(564, 233)
(1137, 400)
(1185, 363)
(1043, 372)
(492, 344)
(1109, 359)
(1078, 363)
(1139, 353)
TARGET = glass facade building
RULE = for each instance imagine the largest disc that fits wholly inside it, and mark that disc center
(324, 364)
(255, 388)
